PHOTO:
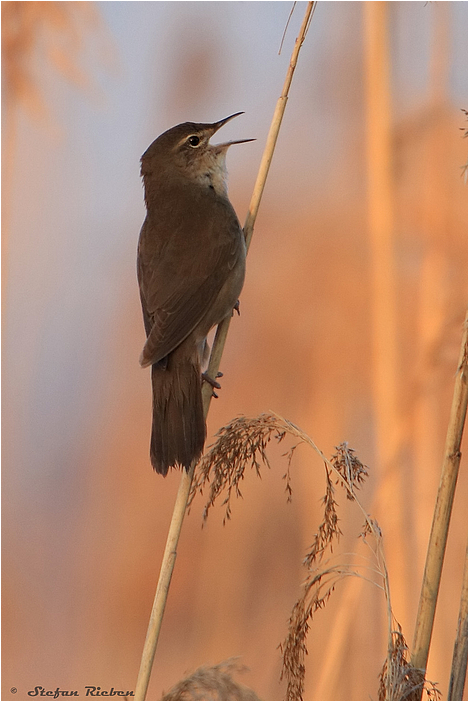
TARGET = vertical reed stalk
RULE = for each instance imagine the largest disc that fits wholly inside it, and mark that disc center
(459, 664)
(169, 557)
(441, 515)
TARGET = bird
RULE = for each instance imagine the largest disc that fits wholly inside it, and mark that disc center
(190, 268)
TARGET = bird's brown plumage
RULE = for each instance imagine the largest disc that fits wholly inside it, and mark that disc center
(190, 266)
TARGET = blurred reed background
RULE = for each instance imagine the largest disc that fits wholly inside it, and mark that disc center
(350, 327)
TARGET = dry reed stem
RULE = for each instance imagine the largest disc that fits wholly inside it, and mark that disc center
(275, 127)
(180, 506)
(459, 665)
(212, 683)
(442, 515)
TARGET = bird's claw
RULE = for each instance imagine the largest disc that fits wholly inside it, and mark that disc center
(213, 383)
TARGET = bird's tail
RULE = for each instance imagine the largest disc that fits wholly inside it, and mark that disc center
(178, 429)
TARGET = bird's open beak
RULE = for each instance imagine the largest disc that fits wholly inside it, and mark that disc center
(217, 125)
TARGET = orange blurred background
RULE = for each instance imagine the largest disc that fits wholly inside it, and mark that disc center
(351, 320)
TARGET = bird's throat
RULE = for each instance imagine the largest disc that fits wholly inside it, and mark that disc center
(214, 174)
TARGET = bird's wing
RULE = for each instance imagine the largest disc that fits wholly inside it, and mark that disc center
(181, 275)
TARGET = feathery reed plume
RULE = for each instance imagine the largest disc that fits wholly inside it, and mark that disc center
(328, 530)
(239, 444)
(399, 680)
(212, 683)
(350, 467)
(323, 575)
(242, 444)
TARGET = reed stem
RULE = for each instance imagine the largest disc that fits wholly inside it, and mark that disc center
(459, 665)
(441, 516)
(169, 557)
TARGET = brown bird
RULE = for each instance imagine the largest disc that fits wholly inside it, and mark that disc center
(190, 267)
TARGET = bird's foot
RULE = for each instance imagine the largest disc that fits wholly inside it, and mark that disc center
(213, 383)
(236, 307)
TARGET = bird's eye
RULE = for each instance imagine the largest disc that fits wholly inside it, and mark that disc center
(193, 140)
